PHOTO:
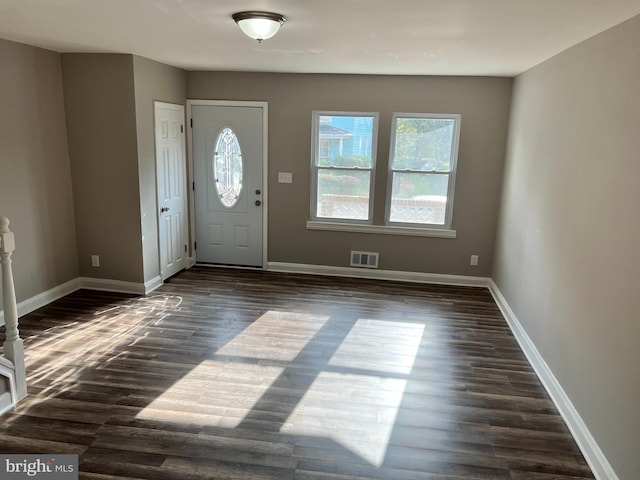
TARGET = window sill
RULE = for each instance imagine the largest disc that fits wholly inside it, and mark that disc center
(381, 229)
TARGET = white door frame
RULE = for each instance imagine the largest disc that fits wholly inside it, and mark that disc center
(265, 171)
(185, 203)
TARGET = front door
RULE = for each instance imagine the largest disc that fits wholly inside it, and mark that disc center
(228, 181)
(171, 183)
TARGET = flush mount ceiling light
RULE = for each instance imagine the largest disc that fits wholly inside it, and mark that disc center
(259, 25)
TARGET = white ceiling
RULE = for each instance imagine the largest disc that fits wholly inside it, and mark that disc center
(413, 37)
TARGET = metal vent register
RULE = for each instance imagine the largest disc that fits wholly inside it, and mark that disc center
(364, 259)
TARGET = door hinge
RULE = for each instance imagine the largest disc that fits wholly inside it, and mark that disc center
(193, 186)
(185, 248)
(191, 119)
(195, 245)
(181, 128)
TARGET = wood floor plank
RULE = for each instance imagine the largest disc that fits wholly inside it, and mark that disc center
(238, 374)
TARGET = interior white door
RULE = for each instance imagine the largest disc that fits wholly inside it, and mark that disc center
(171, 187)
(229, 193)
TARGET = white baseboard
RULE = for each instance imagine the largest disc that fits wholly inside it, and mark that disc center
(416, 277)
(108, 285)
(593, 454)
(151, 285)
(44, 298)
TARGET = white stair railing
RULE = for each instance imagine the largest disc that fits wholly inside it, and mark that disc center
(13, 346)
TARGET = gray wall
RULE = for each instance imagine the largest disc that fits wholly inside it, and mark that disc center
(484, 105)
(153, 81)
(101, 120)
(35, 183)
(567, 245)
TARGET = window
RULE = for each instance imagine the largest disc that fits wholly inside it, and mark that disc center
(343, 163)
(422, 166)
(227, 167)
(420, 179)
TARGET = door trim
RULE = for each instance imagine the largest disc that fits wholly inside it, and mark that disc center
(265, 170)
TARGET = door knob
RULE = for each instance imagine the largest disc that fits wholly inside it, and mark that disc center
(258, 203)
(258, 192)
(164, 209)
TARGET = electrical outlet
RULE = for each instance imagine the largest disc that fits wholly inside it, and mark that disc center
(474, 260)
(285, 177)
(95, 260)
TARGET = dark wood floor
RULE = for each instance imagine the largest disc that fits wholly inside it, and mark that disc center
(255, 375)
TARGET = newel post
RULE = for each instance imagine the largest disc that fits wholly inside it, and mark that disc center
(13, 346)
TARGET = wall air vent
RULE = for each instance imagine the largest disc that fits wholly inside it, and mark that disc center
(364, 259)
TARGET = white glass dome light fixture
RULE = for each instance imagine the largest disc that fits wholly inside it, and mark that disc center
(259, 25)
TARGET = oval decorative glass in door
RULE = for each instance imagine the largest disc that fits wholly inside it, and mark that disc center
(227, 167)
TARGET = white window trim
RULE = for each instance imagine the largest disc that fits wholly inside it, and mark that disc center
(452, 174)
(315, 122)
(382, 229)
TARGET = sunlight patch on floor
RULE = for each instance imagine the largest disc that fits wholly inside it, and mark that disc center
(275, 336)
(69, 349)
(364, 430)
(216, 393)
(223, 392)
(353, 399)
(376, 346)
(380, 345)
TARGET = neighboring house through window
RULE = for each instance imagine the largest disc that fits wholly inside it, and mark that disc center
(343, 165)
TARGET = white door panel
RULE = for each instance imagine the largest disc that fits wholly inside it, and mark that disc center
(171, 184)
(228, 173)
